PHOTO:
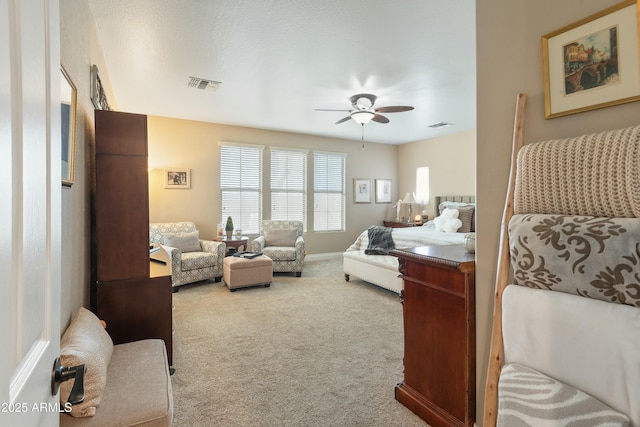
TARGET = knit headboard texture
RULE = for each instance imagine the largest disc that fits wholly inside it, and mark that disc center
(596, 174)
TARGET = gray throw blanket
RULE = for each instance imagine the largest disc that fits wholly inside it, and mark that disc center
(380, 241)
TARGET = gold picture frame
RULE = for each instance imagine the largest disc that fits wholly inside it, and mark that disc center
(68, 106)
(593, 63)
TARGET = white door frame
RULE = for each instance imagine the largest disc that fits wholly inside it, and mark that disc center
(30, 208)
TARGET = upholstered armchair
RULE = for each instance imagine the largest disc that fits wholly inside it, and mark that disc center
(192, 259)
(282, 241)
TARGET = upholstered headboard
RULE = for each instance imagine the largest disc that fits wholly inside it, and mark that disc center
(461, 199)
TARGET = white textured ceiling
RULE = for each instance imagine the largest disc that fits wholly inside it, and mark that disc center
(279, 60)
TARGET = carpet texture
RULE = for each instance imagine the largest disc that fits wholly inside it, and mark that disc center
(307, 351)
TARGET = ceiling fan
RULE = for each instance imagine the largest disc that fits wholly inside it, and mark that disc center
(363, 110)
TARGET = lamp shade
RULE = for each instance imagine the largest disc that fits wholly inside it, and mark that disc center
(408, 198)
(362, 117)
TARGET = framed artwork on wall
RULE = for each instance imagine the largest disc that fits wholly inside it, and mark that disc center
(361, 190)
(592, 63)
(177, 178)
(98, 96)
(383, 191)
(68, 103)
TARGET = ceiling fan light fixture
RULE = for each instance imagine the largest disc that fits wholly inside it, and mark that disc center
(364, 103)
(362, 117)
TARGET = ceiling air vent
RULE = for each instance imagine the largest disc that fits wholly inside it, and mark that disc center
(198, 83)
(440, 125)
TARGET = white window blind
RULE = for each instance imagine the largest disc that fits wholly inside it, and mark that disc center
(241, 186)
(288, 184)
(328, 191)
(422, 185)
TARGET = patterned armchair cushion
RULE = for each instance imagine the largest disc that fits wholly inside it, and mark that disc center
(157, 230)
(196, 260)
(280, 237)
(593, 257)
(186, 242)
(279, 253)
(527, 397)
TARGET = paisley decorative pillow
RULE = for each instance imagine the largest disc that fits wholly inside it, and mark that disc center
(593, 257)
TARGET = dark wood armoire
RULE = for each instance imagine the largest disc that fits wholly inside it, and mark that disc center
(132, 296)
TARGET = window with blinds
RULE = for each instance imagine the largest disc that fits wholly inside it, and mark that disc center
(328, 191)
(289, 184)
(241, 186)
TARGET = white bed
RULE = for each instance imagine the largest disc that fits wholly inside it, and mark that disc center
(382, 270)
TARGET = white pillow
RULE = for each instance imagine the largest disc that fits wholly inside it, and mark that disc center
(448, 221)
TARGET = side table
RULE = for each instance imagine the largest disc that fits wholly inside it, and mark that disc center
(397, 224)
(234, 243)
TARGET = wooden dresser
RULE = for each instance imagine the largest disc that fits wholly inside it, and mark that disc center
(131, 296)
(439, 334)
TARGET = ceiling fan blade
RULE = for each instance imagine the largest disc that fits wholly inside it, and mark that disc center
(380, 119)
(344, 119)
(394, 109)
(328, 109)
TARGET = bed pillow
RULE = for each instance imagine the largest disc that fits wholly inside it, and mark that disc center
(86, 342)
(467, 214)
(448, 221)
(186, 242)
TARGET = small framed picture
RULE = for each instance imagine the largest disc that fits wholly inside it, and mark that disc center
(361, 190)
(177, 178)
(383, 191)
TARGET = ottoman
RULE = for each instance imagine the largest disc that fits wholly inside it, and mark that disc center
(244, 272)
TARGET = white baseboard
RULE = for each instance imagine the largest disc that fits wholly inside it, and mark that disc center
(323, 256)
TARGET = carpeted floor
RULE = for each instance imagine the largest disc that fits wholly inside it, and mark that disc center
(307, 351)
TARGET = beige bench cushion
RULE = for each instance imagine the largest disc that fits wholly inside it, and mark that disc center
(138, 390)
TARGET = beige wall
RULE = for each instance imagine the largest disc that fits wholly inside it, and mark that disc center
(451, 160)
(78, 50)
(509, 61)
(194, 145)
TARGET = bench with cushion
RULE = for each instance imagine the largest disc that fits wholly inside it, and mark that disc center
(124, 385)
